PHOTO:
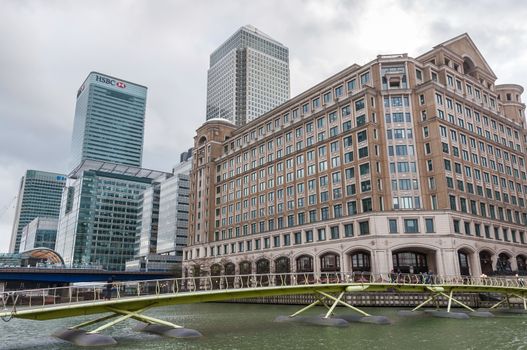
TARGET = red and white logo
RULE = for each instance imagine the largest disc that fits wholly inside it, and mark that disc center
(120, 84)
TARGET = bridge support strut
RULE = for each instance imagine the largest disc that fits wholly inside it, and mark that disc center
(339, 301)
(523, 299)
(451, 299)
(321, 300)
(79, 336)
(430, 299)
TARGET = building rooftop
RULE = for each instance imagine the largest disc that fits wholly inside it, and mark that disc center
(113, 168)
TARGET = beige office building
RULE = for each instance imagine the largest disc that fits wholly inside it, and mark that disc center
(405, 164)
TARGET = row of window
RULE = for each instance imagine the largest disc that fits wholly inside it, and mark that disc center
(321, 123)
(464, 205)
(483, 123)
(287, 239)
(411, 225)
(480, 146)
(315, 103)
(491, 232)
(312, 216)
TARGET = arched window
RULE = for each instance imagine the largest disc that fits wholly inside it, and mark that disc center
(521, 261)
(245, 268)
(464, 265)
(230, 269)
(503, 265)
(304, 263)
(215, 270)
(410, 262)
(262, 266)
(485, 260)
(360, 261)
(282, 265)
(330, 262)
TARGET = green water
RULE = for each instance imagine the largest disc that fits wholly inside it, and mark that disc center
(241, 326)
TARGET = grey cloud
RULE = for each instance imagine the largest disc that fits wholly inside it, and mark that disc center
(48, 48)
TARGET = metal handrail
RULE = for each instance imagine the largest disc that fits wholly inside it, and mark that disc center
(75, 294)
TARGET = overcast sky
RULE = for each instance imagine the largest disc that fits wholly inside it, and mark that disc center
(47, 48)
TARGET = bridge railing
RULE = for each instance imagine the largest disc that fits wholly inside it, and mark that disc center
(38, 298)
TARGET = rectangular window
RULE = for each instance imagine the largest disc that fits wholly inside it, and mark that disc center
(321, 234)
(364, 78)
(392, 223)
(429, 223)
(411, 226)
(348, 230)
(335, 232)
(364, 228)
(298, 237)
(309, 236)
(287, 239)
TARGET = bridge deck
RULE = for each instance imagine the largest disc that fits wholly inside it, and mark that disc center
(72, 301)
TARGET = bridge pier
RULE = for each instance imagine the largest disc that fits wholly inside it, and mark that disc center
(82, 337)
(508, 309)
(440, 292)
(328, 319)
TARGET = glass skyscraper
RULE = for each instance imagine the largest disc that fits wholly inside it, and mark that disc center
(39, 195)
(248, 76)
(109, 121)
(101, 212)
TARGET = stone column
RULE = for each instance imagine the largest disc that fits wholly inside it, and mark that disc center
(475, 265)
(381, 260)
(446, 256)
(346, 263)
(514, 263)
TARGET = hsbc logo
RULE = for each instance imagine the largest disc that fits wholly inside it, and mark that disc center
(110, 81)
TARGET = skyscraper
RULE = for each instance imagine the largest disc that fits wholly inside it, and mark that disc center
(39, 195)
(248, 76)
(109, 121)
(100, 213)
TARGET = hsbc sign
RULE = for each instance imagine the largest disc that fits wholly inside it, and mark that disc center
(110, 81)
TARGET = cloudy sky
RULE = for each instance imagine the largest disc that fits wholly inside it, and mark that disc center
(48, 47)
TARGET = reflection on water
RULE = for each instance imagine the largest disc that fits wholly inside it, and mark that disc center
(239, 326)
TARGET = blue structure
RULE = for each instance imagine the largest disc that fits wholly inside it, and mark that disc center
(13, 269)
(109, 121)
(60, 276)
